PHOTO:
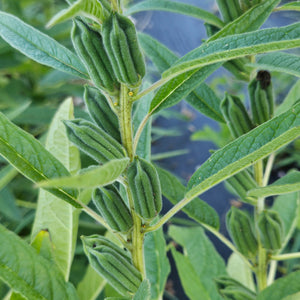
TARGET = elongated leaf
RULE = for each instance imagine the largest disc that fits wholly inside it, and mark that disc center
(240, 271)
(282, 287)
(38, 46)
(251, 20)
(244, 151)
(6, 175)
(202, 98)
(28, 273)
(156, 262)
(238, 45)
(289, 214)
(280, 62)
(203, 260)
(143, 293)
(28, 155)
(290, 6)
(92, 177)
(176, 7)
(287, 184)
(292, 97)
(59, 217)
(89, 8)
(174, 191)
(8, 206)
(91, 285)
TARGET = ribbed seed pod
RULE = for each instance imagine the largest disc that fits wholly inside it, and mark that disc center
(236, 115)
(271, 229)
(101, 112)
(121, 44)
(242, 182)
(112, 208)
(89, 47)
(230, 9)
(239, 227)
(145, 187)
(231, 289)
(114, 267)
(261, 97)
(94, 141)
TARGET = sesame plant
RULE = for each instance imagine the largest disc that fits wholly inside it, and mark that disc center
(99, 164)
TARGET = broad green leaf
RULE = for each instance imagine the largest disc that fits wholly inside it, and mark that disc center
(191, 284)
(292, 297)
(292, 97)
(290, 6)
(88, 8)
(28, 273)
(43, 245)
(179, 87)
(91, 177)
(287, 184)
(91, 285)
(176, 7)
(156, 262)
(198, 210)
(251, 20)
(287, 207)
(59, 217)
(280, 62)
(38, 46)
(240, 271)
(28, 156)
(202, 258)
(202, 98)
(282, 287)
(245, 150)
(143, 292)
(235, 46)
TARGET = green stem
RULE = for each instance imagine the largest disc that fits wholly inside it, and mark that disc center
(286, 256)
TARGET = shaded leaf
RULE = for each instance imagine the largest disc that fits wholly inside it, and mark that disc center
(290, 6)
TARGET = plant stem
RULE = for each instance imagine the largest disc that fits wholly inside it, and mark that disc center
(127, 140)
(139, 131)
(268, 169)
(286, 256)
(272, 272)
(258, 176)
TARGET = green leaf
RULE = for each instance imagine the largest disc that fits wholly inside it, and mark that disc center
(288, 213)
(38, 46)
(91, 285)
(7, 174)
(202, 98)
(292, 297)
(28, 155)
(244, 151)
(174, 191)
(201, 259)
(88, 8)
(287, 184)
(59, 217)
(91, 177)
(240, 271)
(176, 7)
(279, 62)
(290, 6)
(156, 262)
(235, 46)
(251, 20)
(282, 287)
(292, 97)
(8, 207)
(28, 273)
(143, 293)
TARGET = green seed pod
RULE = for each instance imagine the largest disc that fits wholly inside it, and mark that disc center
(231, 289)
(112, 208)
(145, 187)
(242, 182)
(114, 267)
(121, 44)
(89, 47)
(261, 97)
(101, 112)
(271, 229)
(94, 141)
(239, 227)
(230, 9)
(236, 116)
